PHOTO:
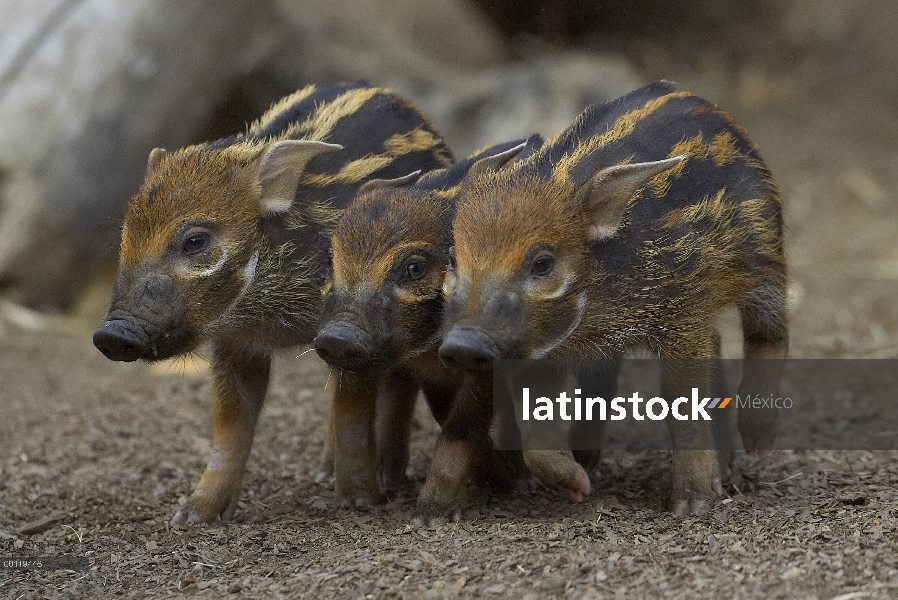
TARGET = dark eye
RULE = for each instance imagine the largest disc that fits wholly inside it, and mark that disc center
(542, 266)
(196, 243)
(452, 264)
(416, 270)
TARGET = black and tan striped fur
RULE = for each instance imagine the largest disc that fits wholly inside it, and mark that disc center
(227, 242)
(381, 321)
(570, 254)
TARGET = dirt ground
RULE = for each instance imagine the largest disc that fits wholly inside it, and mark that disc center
(96, 456)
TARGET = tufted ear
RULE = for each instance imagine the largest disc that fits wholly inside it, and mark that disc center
(374, 184)
(607, 193)
(156, 156)
(279, 169)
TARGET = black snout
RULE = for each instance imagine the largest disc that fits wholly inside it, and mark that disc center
(468, 349)
(343, 345)
(121, 340)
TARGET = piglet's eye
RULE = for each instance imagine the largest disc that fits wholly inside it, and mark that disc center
(416, 270)
(542, 266)
(196, 243)
(452, 264)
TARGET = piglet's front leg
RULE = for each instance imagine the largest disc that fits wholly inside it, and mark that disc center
(558, 470)
(353, 410)
(395, 412)
(239, 382)
(696, 482)
(445, 490)
(546, 447)
(461, 448)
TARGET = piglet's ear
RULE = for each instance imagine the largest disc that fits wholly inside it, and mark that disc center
(495, 162)
(280, 167)
(376, 184)
(608, 192)
(156, 156)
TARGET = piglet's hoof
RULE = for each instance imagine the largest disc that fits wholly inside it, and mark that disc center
(424, 518)
(197, 510)
(696, 483)
(695, 506)
(558, 470)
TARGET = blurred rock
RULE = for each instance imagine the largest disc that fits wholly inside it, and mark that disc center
(452, 32)
(104, 85)
(89, 87)
(811, 22)
(475, 101)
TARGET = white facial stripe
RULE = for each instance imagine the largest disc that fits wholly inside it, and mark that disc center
(215, 267)
(542, 351)
(448, 283)
(249, 271)
(562, 289)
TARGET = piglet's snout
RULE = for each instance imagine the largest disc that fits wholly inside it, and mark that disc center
(468, 349)
(343, 345)
(120, 339)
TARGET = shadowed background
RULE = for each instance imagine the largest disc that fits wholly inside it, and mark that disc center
(89, 87)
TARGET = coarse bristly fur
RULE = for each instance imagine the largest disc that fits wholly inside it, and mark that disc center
(227, 242)
(382, 134)
(654, 269)
(382, 313)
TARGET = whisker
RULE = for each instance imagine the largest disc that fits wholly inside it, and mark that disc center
(304, 352)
